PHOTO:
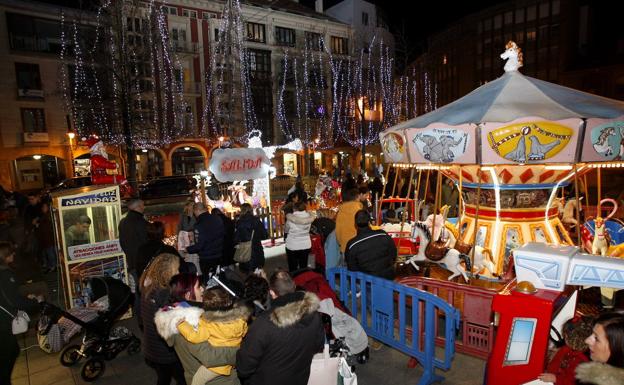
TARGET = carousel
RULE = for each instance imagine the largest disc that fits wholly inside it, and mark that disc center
(510, 146)
(520, 151)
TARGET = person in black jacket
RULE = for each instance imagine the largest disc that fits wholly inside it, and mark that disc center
(281, 342)
(228, 240)
(11, 301)
(209, 235)
(153, 247)
(246, 225)
(371, 251)
(133, 233)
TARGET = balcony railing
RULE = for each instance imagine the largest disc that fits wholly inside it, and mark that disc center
(184, 46)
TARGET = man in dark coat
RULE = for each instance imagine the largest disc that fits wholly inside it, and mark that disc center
(281, 342)
(371, 251)
(228, 240)
(209, 234)
(133, 233)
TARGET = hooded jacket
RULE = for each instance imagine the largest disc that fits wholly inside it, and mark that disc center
(194, 355)
(281, 342)
(372, 252)
(246, 225)
(599, 374)
(298, 229)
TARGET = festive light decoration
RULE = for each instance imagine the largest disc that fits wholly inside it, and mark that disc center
(121, 76)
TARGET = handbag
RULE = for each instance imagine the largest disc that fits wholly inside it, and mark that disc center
(20, 321)
(243, 250)
(324, 369)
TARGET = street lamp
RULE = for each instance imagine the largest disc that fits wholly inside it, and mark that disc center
(71, 136)
(221, 139)
(373, 116)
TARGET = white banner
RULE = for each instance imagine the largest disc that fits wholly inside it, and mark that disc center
(91, 250)
(229, 165)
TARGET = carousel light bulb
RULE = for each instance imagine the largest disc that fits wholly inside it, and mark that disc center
(36, 157)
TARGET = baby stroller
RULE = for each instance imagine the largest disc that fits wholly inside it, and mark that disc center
(101, 341)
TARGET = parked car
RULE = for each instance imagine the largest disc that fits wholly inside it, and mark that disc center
(167, 186)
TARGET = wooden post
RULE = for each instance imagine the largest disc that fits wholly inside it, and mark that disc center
(383, 190)
(460, 205)
(427, 184)
(586, 193)
(416, 197)
(435, 207)
(396, 176)
(409, 190)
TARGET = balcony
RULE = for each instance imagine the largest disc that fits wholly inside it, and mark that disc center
(27, 93)
(36, 137)
(184, 46)
(193, 88)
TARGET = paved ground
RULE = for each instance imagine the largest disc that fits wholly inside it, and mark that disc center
(386, 366)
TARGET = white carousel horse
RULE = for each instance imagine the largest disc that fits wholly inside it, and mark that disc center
(513, 55)
(451, 261)
(482, 256)
(601, 238)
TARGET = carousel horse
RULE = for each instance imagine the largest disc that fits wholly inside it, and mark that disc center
(601, 238)
(513, 55)
(482, 257)
(452, 261)
(568, 217)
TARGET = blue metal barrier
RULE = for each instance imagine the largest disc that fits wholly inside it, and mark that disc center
(376, 302)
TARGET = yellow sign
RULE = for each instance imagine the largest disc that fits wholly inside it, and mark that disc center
(529, 142)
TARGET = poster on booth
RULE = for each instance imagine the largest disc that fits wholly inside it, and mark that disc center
(236, 164)
(88, 238)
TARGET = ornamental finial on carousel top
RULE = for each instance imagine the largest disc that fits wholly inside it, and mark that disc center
(513, 55)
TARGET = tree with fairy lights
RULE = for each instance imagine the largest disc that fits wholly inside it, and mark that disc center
(121, 78)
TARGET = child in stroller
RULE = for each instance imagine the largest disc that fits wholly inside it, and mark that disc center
(101, 341)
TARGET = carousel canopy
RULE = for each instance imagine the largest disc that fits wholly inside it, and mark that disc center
(514, 96)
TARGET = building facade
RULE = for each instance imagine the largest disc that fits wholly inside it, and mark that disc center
(36, 149)
(555, 36)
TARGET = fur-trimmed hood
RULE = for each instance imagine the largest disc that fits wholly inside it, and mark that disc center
(599, 374)
(167, 319)
(291, 308)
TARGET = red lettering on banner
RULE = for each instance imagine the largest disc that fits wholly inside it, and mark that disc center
(236, 165)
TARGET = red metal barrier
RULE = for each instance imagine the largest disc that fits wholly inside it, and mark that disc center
(474, 304)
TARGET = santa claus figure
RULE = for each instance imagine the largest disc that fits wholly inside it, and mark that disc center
(103, 171)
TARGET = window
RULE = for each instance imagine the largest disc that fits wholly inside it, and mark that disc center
(498, 21)
(28, 79)
(285, 36)
(519, 15)
(216, 34)
(189, 13)
(520, 342)
(209, 15)
(29, 33)
(256, 32)
(508, 17)
(555, 7)
(543, 10)
(340, 45)
(33, 120)
(364, 18)
(173, 11)
(260, 64)
(531, 13)
(531, 34)
(314, 41)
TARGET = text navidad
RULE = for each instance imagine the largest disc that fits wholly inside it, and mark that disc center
(97, 198)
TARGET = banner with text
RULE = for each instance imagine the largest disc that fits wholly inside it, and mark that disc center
(229, 165)
(92, 250)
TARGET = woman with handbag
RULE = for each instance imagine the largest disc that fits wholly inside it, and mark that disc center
(11, 301)
(250, 228)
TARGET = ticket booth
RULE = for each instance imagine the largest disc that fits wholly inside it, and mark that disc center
(87, 237)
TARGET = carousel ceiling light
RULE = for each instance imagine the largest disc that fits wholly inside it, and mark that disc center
(143, 150)
(186, 148)
(36, 157)
(558, 167)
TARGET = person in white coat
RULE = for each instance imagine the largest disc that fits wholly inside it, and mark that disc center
(298, 242)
